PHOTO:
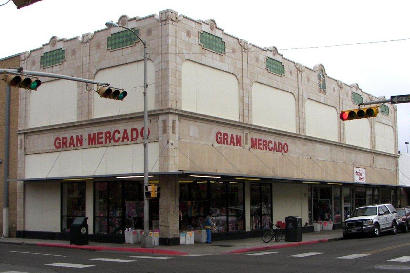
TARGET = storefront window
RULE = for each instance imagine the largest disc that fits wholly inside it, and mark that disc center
(261, 206)
(385, 195)
(73, 204)
(376, 196)
(120, 205)
(359, 197)
(347, 201)
(224, 200)
(236, 215)
(337, 210)
(369, 196)
(322, 203)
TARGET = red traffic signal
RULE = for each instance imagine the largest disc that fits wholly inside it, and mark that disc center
(111, 93)
(369, 112)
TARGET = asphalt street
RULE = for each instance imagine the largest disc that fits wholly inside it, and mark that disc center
(388, 253)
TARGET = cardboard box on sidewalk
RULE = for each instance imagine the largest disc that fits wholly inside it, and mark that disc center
(182, 238)
(189, 240)
(200, 236)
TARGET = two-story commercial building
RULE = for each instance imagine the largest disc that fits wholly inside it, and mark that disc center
(236, 130)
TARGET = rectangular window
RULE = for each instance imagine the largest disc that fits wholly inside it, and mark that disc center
(275, 66)
(121, 39)
(51, 58)
(261, 206)
(212, 42)
(347, 201)
(224, 200)
(337, 204)
(73, 203)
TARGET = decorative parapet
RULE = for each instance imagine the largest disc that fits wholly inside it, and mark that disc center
(168, 16)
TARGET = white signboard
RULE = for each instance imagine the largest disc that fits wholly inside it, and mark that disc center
(359, 175)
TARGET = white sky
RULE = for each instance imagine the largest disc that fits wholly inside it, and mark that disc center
(380, 69)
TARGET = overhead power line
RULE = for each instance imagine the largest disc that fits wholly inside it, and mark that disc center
(348, 44)
(4, 3)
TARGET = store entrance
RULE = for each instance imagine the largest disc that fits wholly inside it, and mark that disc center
(120, 205)
(322, 203)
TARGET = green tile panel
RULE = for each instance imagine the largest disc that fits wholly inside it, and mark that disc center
(122, 39)
(275, 66)
(51, 58)
(212, 42)
(357, 98)
(384, 109)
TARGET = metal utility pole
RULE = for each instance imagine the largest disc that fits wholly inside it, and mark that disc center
(146, 240)
(6, 165)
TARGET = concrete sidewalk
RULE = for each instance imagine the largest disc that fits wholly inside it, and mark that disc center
(217, 247)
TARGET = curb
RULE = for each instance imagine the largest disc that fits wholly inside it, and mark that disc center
(122, 249)
(286, 245)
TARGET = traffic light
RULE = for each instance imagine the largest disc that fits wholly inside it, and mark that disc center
(23, 3)
(369, 112)
(23, 81)
(111, 93)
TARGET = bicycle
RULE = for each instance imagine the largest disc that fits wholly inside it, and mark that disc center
(273, 233)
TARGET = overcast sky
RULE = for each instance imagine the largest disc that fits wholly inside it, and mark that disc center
(381, 69)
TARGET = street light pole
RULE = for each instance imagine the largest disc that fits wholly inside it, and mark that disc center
(6, 165)
(407, 146)
(146, 241)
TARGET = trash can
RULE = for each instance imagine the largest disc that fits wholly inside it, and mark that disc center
(293, 229)
(79, 231)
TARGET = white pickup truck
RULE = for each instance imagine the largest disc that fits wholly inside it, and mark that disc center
(371, 220)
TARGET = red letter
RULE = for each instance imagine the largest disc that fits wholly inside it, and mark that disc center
(254, 143)
(275, 146)
(71, 143)
(100, 137)
(279, 146)
(108, 138)
(79, 140)
(92, 139)
(114, 137)
(232, 141)
(142, 132)
(134, 134)
(218, 137)
(270, 145)
(225, 138)
(238, 140)
(57, 143)
(125, 136)
(265, 145)
(64, 142)
(285, 148)
(259, 143)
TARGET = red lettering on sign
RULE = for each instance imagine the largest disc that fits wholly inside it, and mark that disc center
(92, 139)
(57, 143)
(78, 140)
(238, 140)
(100, 138)
(108, 137)
(269, 145)
(64, 142)
(125, 136)
(254, 143)
(134, 134)
(116, 138)
(142, 132)
(218, 137)
(71, 143)
(285, 148)
(225, 138)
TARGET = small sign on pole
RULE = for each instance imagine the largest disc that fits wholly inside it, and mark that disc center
(400, 99)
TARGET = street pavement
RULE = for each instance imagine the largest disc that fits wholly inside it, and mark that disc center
(217, 247)
(389, 253)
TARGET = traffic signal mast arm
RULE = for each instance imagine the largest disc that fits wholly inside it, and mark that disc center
(20, 71)
(393, 100)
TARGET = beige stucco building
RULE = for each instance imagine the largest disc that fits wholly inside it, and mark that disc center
(236, 130)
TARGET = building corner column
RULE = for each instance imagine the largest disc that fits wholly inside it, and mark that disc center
(169, 210)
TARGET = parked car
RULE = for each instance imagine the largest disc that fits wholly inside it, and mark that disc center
(371, 220)
(403, 219)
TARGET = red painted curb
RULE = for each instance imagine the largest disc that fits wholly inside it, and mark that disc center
(123, 249)
(262, 248)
